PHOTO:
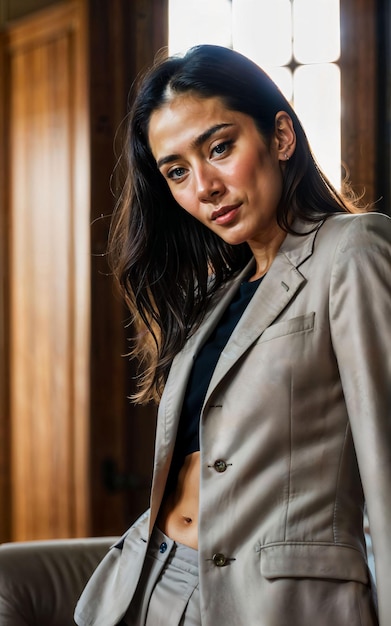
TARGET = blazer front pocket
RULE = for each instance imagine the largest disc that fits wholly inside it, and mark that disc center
(300, 324)
(313, 560)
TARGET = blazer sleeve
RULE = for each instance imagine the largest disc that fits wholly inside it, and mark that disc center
(360, 322)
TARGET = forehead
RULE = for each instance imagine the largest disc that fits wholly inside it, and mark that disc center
(184, 118)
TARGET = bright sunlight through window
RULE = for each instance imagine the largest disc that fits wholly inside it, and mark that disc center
(297, 42)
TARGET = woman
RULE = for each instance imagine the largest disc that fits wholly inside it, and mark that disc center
(262, 300)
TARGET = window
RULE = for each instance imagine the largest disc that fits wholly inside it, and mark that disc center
(297, 42)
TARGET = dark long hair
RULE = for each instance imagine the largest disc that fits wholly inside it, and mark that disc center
(162, 257)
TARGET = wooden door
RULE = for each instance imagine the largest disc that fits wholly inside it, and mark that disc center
(48, 274)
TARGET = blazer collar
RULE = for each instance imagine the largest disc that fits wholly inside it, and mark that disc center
(277, 289)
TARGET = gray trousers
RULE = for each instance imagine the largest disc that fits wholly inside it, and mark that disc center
(167, 593)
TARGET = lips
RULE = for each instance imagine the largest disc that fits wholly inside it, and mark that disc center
(225, 214)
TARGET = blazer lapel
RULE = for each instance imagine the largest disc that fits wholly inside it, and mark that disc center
(277, 289)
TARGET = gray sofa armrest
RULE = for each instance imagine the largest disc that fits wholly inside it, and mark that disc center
(41, 581)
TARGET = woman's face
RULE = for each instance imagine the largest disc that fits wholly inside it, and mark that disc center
(218, 166)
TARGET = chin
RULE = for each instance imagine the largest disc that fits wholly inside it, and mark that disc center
(233, 241)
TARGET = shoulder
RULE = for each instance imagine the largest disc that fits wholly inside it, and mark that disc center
(360, 252)
(348, 231)
(359, 222)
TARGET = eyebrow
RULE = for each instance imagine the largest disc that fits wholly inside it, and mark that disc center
(196, 143)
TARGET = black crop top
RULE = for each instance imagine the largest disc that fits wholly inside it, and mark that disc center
(204, 364)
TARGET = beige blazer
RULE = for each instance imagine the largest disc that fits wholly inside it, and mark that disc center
(299, 409)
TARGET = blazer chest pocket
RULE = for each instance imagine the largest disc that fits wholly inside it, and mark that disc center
(304, 560)
(300, 324)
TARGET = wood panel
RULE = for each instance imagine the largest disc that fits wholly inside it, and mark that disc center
(359, 94)
(14, 9)
(49, 275)
(5, 520)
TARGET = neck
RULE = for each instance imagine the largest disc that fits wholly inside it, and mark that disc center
(265, 252)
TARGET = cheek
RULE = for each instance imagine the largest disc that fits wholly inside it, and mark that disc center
(186, 199)
(245, 174)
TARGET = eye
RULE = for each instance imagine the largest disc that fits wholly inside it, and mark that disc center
(176, 173)
(221, 148)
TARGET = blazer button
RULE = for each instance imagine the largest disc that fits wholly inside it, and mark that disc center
(219, 559)
(220, 466)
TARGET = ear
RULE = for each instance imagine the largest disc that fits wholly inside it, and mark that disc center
(285, 136)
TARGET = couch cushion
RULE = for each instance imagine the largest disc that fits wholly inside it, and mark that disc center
(41, 581)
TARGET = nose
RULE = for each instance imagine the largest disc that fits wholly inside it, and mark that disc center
(209, 184)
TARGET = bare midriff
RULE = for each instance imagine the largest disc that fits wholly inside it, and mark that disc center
(178, 517)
